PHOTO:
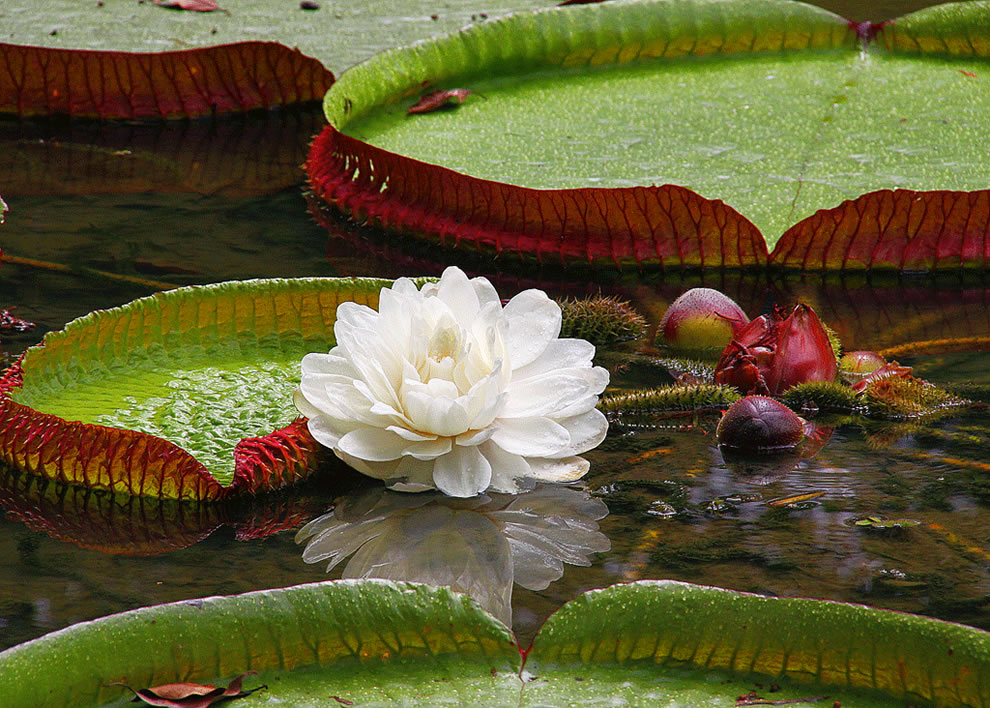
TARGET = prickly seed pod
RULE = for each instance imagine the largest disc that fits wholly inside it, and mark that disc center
(757, 424)
(702, 319)
(600, 320)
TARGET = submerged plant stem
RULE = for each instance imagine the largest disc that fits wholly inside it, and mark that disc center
(87, 272)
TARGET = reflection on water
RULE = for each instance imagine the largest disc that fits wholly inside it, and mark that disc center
(477, 546)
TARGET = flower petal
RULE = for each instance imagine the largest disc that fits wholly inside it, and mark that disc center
(463, 472)
(459, 294)
(323, 430)
(567, 469)
(586, 430)
(531, 437)
(510, 473)
(373, 444)
(533, 321)
(550, 394)
(559, 354)
(412, 475)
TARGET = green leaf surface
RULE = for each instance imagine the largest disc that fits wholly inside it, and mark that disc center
(365, 641)
(769, 105)
(338, 34)
(377, 642)
(856, 655)
(202, 373)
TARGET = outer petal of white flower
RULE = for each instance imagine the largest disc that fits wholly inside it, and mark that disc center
(552, 393)
(586, 431)
(511, 474)
(533, 321)
(566, 469)
(560, 354)
(532, 437)
(463, 472)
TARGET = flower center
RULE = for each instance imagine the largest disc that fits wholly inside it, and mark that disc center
(444, 344)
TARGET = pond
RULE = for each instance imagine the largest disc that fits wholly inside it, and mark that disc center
(101, 213)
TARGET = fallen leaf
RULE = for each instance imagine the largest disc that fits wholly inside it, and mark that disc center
(794, 499)
(190, 695)
(194, 5)
(435, 100)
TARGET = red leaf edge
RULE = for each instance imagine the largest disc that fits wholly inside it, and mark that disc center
(231, 78)
(903, 230)
(138, 464)
(667, 226)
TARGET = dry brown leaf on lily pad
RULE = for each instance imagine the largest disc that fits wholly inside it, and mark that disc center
(189, 695)
(435, 100)
(194, 5)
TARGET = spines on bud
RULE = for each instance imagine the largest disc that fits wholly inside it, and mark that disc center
(601, 320)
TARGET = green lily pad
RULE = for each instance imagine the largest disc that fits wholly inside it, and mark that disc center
(775, 107)
(338, 34)
(382, 642)
(178, 394)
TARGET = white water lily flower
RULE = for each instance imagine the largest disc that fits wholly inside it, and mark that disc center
(445, 388)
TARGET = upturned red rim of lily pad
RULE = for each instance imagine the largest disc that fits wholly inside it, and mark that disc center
(221, 358)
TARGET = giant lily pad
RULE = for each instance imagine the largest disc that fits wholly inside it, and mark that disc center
(664, 642)
(338, 35)
(778, 108)
(185, 394)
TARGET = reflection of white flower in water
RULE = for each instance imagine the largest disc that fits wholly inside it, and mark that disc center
(476, 546)
(445, 388)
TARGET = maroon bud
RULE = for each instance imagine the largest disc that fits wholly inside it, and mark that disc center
(761, 425)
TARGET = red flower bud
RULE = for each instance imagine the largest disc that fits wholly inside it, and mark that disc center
(803, 352)
(773, 353)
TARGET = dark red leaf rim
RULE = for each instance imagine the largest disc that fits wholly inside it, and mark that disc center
(230, 78)
(139, 464)
(668, 226)
(902, 230)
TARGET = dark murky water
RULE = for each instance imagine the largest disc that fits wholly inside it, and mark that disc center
(135, 202)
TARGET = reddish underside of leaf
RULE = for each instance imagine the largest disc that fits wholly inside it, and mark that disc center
(899, 230)
(138, 464)
(232, 78)
(668, 226)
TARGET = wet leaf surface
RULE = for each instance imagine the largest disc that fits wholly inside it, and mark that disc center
(801, 111)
